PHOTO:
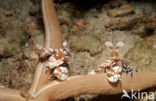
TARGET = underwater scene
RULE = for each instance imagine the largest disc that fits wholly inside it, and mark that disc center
(77, 50)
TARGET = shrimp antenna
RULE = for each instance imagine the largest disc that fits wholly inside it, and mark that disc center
(117, 53)
(38, 46)
(110, 45)
(118, 45)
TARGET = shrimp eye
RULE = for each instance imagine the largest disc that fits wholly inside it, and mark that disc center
(64, 44)
(120, 44)
(108, 44)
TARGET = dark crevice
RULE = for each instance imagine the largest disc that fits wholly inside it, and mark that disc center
(5, 57)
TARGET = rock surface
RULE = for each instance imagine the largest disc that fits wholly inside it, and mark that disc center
(85, 29)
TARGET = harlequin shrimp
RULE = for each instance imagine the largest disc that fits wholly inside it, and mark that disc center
(57, 61)
(115, 66)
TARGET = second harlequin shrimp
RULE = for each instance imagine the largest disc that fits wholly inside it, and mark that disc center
(115, 66)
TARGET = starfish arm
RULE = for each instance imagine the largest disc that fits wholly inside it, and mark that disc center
(7, 94)
(52, 40)
(96, 84)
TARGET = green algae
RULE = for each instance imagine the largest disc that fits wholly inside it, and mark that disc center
(143, 57)
(85, 42)
(12, 42)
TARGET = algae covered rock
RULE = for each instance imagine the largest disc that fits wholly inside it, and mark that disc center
(145, 26)
(122, 11)
(142, 57)
(81, 63)
(16, 73)
(12, 42)
(85, 42)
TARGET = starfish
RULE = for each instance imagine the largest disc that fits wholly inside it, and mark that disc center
(43, 90)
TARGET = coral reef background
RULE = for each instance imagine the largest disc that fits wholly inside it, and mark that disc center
(86, 26)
